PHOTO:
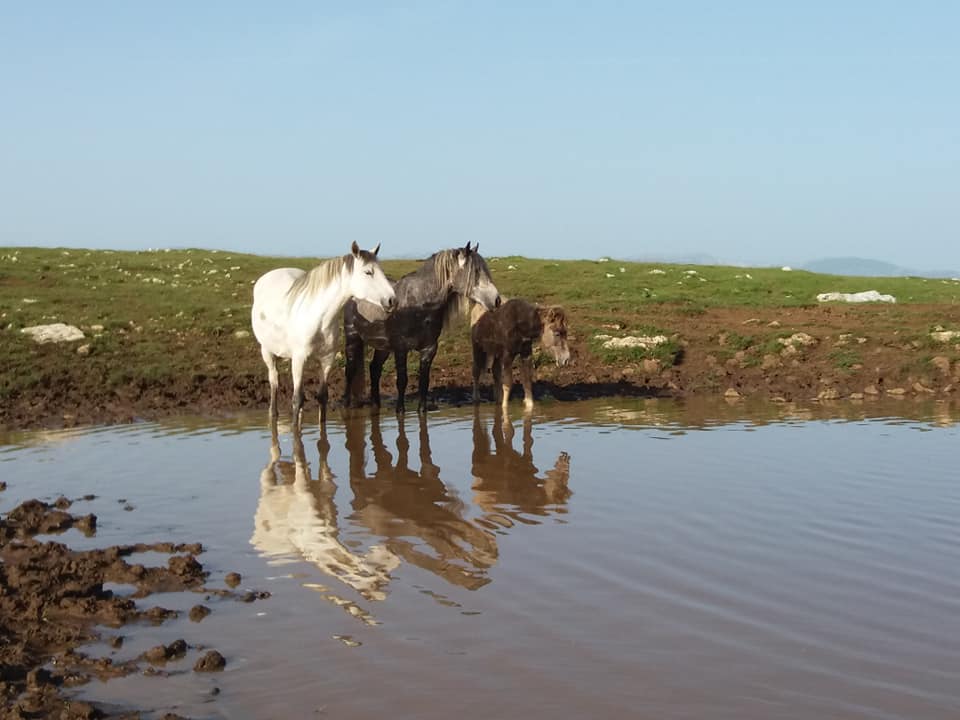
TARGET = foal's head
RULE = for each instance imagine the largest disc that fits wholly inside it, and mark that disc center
(553, 339)
(367, 281)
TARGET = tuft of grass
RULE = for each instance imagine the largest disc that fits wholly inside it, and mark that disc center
(845, 359)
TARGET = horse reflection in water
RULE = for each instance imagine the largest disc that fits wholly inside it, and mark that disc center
(419, 518)
(506, 485)
(296, 516)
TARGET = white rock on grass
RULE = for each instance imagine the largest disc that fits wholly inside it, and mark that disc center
(860, 297)
(632, 341)
(799, 338)
(945, 335)
(54, 333)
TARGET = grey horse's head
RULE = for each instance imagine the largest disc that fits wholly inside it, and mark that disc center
(471, 277)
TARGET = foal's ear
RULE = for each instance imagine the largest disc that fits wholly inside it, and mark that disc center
(355, 249)
(376, 250)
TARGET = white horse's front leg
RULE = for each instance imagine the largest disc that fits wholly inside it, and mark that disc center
(296, 369)
(326, 365)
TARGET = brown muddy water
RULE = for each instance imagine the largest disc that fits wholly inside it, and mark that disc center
(605, 559)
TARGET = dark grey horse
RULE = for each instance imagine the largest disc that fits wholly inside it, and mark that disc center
(428, 299)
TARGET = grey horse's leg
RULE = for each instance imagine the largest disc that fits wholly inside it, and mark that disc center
(271, 363)
(401, 360)
(426, 362)
(376, 370)
(353, 353)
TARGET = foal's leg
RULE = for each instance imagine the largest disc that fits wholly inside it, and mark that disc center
(296, 369)
(376, 370)
(497, 370)
(326, 365)
(271, 363)
(506, 379)
(401, 360)
(479, 365)
(426, 361)
(526, 377)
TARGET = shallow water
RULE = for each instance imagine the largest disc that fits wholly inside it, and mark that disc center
(605, 559)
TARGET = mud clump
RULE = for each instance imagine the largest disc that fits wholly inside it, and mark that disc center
(233, 579)
(52, 597)
(210, 662)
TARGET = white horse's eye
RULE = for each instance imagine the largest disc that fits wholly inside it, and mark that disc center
(369, 272)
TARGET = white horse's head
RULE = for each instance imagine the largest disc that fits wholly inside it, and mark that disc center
(367, 281)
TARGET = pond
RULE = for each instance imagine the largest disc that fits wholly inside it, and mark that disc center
(598, 559)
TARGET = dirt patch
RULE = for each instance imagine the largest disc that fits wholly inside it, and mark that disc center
(52, 600)
(732, 352)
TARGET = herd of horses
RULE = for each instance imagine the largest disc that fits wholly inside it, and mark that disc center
(296, 314)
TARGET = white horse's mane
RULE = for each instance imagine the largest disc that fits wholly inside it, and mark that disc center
(313, 282)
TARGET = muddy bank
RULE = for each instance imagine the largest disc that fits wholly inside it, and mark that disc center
(791, 354)
(53, 600)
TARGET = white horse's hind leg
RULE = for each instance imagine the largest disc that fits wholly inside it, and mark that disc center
(326, 365)
(296, 369)
(271, 363)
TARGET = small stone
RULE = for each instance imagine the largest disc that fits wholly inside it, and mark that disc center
(156, 655)
(921, 388)
(732, 393)
(774, 324)
(3, 485)
(84, 349)
(233, 579)
(116, 641)
(856, 396)
(941, 363)
(241, 334)
(896, 391)
(651, 366)
(770, 362)
(828, 394)
(199, 612)
(211, 662)
(871, 390)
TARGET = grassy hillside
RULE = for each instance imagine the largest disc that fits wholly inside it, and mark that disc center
(162, 321)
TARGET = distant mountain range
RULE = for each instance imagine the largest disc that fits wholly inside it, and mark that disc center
(871, 268)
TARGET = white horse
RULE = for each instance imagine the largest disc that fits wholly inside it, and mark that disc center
(296, 314)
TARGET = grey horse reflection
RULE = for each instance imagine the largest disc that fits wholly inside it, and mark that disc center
(297, 517)
(506, 485)
(419, 518)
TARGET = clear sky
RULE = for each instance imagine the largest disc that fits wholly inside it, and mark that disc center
(758, 132)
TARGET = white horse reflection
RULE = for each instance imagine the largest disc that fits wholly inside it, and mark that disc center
(506, 484)
(297, 517)
(419, 517)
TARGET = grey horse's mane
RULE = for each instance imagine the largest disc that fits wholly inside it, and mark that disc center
(445, 267)
(313, 282)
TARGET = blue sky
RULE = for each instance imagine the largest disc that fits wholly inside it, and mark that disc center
(755, 132)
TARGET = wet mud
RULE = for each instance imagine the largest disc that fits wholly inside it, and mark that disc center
(53, 601)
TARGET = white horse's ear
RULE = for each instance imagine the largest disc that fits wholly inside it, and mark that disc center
(355, 249)
(376, 250)
(476, 246)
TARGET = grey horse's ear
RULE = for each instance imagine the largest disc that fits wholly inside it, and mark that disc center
(467, 248)
(355, 249)
(376, 250)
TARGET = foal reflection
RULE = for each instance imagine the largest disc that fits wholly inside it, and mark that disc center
(506, 485)
(419, 517)
(296, 515)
